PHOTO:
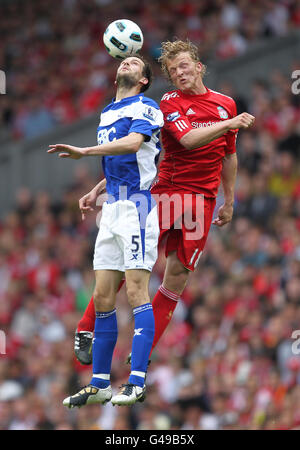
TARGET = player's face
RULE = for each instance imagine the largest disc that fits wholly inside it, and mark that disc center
(184, 72)
(132, 69)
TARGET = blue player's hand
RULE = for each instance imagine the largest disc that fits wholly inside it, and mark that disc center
(66, 151)
(87, 203)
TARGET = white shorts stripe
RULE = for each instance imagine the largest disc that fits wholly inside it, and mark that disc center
(196, 262)
(138, 374)
(103, 376)
(192, 258)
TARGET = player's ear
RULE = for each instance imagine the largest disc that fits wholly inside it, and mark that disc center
(199, 66)
(144, 81)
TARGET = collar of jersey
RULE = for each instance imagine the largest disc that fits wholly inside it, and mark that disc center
(205, 95)
(124, 101)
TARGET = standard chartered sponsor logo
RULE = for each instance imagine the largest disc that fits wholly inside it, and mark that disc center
(204, 124)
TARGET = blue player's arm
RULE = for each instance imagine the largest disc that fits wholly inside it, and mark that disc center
(122, 146)
(88, 202)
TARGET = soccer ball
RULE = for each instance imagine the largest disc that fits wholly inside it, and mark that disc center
(123, 38)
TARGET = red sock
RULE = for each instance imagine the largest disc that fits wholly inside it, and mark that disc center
(163, 304)
(87, 322)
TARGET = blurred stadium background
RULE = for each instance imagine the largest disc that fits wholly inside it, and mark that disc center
(226, 360)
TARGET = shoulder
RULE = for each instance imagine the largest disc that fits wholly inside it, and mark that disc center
(147, 109)
(222, 98)
(107, 107)
(149, 102)
(143, 104)
(169, 96)
(171, 102)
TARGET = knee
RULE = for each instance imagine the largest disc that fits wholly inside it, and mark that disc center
(176, 283)
(175, 278)
(103, 301)
(178, 270)
(137, 295)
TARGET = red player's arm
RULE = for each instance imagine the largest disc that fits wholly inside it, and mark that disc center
(228, 177)
(199, 137)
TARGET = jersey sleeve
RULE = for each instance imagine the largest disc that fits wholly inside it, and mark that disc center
(147, 119)
(231, 135)
(175, 122)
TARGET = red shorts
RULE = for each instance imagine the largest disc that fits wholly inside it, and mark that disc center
(184, 221)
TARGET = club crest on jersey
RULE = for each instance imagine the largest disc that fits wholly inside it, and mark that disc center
(173, 116)
(222, 112)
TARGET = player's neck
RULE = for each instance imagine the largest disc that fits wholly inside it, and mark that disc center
(124, 93)
(197, 89)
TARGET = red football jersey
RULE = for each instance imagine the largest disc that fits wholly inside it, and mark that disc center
(197, 170)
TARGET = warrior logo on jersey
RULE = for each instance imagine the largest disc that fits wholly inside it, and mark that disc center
(222, 112)
(173, 116)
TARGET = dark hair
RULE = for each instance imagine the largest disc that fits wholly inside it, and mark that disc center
(147, 72)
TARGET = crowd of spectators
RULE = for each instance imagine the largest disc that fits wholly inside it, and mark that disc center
(58, 71)
(230, 356)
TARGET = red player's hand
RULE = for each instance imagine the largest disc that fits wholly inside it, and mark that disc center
(225, 214)
(243, 120)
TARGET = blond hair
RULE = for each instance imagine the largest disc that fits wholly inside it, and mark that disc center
(169, 50)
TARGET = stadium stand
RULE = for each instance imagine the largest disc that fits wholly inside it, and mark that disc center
(227, 359)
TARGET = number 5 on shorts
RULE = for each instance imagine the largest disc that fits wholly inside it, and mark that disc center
(135, 241)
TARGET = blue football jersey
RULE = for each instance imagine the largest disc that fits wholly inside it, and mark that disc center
(131, 173)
